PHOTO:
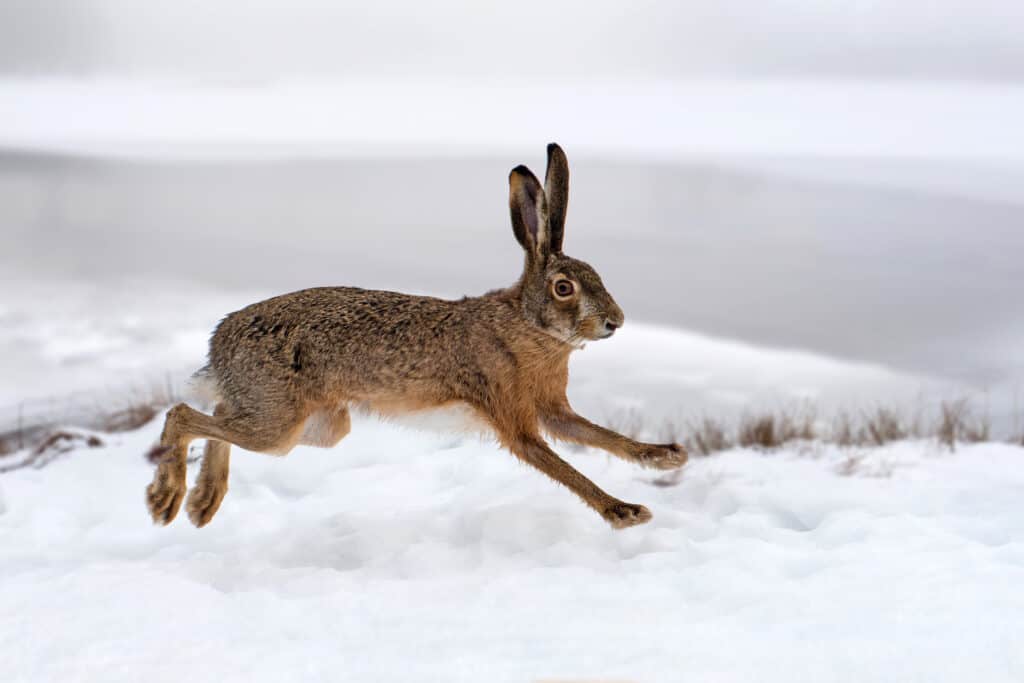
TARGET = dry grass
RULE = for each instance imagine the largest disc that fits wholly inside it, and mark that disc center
(706, 437)
(855, 464)
(126, 412)
(880, 427)
(799, 424)
(136, 408)
(844, 432)
(956, 422)
(130, 418)
(763, 430)
(52, 447)
(758, 431)
(18, 439)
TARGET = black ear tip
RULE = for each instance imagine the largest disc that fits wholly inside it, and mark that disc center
(524, 173)
(553, 147)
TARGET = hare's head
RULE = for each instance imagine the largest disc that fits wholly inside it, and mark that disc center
(561, 295)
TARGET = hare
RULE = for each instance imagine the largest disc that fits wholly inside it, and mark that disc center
(286, 371)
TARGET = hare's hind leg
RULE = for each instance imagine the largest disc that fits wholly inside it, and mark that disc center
(324, 428)
(212, 484)
(164, 495)
(274, 430)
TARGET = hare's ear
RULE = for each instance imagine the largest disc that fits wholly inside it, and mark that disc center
(556, 187)
(529, 211)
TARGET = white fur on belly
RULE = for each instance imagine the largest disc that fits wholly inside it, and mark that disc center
(457, 417)
(319, 429)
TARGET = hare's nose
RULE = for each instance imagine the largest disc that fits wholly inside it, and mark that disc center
(611, 326)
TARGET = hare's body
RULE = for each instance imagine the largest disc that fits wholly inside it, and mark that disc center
(287, 370)
(388, 352)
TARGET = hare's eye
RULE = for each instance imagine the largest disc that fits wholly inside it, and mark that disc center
(564, 288)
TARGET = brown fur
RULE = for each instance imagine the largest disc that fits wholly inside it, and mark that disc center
(287, 369)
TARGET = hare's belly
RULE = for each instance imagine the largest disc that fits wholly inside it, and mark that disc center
(451, 417)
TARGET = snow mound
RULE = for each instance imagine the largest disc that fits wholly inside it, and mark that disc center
(408, 556)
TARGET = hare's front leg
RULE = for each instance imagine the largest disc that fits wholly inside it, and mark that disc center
(531, 448)
(563, 423)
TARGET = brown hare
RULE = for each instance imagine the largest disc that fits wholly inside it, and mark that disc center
(286, 371)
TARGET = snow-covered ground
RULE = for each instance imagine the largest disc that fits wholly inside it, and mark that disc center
(405, 556)
(838, 211)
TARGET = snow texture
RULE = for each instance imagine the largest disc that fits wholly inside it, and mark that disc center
(403, 556)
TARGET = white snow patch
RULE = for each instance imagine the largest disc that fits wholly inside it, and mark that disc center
(399, 556)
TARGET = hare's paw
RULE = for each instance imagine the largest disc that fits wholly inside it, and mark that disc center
(621, 515)
(667, 456)
(204, 501)
(164, 495)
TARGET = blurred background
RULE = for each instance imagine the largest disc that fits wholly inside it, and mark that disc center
(842, 180)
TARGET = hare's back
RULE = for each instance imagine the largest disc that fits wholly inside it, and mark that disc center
(314, 333)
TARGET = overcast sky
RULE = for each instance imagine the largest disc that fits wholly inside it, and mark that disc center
(601, 39)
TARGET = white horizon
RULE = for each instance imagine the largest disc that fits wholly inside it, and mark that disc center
(654, 120)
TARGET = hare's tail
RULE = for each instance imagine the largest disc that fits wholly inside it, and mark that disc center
(203, 386)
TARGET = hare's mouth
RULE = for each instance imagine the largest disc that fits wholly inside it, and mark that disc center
(594, 329)
(580, 341)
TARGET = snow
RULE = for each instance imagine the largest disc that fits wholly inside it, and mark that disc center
(405, 556)
(60, 337)
(650, 120)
